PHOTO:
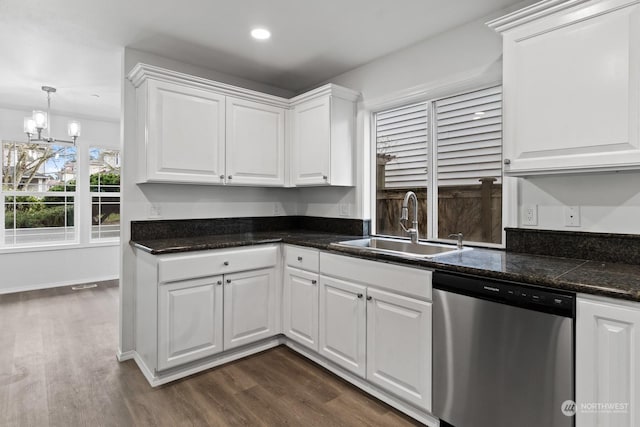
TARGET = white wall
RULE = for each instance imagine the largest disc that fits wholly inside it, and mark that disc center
(462, 58)
(180, 201)
(609, 202)
(24, 269)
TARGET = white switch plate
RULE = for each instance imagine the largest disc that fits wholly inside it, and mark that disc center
(530, 215)
(344, 209)
(572, 216)
(277, 210)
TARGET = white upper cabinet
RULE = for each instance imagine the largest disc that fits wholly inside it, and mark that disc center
(185, 134)
(196, 131)
(255, 143)
(571, 85)
(323, 137)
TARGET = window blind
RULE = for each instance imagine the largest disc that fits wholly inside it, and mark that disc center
(401, 141)
(469, 137)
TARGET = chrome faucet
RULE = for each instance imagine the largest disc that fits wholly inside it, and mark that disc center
(458, 236)
(404, 215)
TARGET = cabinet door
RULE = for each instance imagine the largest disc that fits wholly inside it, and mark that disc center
(607, 355)
(186, 133)
(572, 91)
(255, 143)
(343, 323)
(249, 307)
(301, 307)
(312, 142)
(399, 346)
(189, 321)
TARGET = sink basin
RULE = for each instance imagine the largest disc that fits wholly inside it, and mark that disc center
(402, 247)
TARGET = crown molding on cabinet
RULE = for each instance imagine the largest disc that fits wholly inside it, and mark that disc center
(141, 72)
(531, 13)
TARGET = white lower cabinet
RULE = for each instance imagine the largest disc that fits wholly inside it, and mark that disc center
(343, 323)
(607, 371)
(249, 307)
(300, 307)
(384, 337)
(399, 346)
(189, 321)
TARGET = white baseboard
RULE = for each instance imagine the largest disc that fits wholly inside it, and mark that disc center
(193, 368)
(127, 355)
(55, 285)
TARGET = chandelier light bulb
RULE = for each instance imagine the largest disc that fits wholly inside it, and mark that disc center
(29, 125)
(40, 119)
(74, 129)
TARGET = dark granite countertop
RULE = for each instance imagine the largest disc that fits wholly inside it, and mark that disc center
(593, 277)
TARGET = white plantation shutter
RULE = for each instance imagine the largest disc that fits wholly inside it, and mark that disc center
(402, 133)
(469, 137)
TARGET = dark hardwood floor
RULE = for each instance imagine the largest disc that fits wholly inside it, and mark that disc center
(58, 368)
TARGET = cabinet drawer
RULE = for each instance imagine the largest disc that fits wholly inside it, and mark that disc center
(405, 280)
(302, 258)
(208, 263)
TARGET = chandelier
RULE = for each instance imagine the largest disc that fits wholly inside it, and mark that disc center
(39, 121)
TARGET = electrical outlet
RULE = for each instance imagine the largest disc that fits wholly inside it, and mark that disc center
(572, 216)
(277, 209)
(530, 215)
(154, 211)
(344, 209)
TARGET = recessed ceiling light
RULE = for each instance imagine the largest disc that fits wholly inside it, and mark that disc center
(260, 33)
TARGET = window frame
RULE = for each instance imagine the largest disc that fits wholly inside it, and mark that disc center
(82, 207)
(41, 194)
(431, 96)
(92, 194)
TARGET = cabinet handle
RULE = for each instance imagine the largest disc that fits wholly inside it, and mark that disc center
(299, 258)
(228, 280)
(359, 295)
(369, 298)
(229, 177)
(313, 282)
(325, 177)
(221, 176)
(219, 282)
(507, 161)
(226, 263)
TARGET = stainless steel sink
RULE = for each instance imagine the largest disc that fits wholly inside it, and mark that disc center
(402, 247)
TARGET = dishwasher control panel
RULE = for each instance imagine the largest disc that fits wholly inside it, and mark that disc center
(506, 292)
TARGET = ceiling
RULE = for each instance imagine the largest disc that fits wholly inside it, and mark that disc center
(76, 45)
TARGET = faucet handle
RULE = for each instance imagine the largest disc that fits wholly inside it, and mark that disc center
(456, 235)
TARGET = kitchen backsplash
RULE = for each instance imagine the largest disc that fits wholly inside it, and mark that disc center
(609, 247)
(166, 229)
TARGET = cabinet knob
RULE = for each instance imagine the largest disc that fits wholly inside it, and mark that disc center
(359, 295)
(219, 282)
(229, 177)
(325, 177)
(228, 280)
(313, 282)
(507, 161)
(221, 176)
(299, 258)
(226, 263)
(369, 298)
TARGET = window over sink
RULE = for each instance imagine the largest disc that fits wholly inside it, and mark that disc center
(454, 142)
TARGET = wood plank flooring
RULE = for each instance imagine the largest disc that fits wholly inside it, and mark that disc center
(58, 368)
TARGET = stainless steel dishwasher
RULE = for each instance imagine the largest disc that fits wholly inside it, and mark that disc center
(503, 353)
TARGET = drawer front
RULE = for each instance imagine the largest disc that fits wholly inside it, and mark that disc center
(208, 263)
(397, 278)
(302, 258)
